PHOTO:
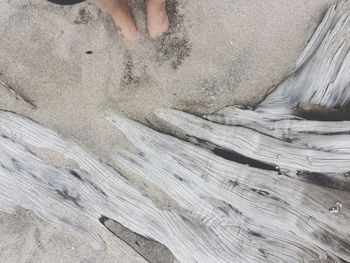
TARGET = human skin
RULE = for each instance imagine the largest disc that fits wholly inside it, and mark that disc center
(157, 18)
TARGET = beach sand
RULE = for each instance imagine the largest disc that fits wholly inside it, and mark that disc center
(69, 62)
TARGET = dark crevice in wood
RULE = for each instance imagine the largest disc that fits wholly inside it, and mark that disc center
(324, 180)
(234, 156)
(93, 185)
(76, 175)
(64, 194)
(267, 194)
(104, 219)
(149, 249)
(229, 207)
(238, 158)
(318, 113)
(256, 234)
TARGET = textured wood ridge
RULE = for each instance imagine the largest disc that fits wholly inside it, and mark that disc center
(261, 185)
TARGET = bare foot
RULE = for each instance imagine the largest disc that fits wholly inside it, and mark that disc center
(125, 25)
(120, 13)
(157, 18)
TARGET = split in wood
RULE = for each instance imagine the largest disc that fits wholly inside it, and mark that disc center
(17, 95)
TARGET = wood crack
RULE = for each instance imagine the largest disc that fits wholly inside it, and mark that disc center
(17, 95)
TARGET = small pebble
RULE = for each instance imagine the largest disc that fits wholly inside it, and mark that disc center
(339, 204)
(334, 210)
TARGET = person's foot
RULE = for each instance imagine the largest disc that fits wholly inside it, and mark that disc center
(157, 18)
(119, 11)
(125, 25)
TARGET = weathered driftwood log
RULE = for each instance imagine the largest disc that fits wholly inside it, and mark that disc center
(229, 211)
(16, 95)
(268, 186)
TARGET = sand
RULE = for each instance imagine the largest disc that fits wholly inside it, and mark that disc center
(69, 62)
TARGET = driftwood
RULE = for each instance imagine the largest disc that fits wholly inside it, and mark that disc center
(263, 185)
(16, 95)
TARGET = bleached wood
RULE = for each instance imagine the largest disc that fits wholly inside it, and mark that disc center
(328, 136)
(280, 127)
(321, 75)
(254, 145)
(60, 196)
(226, 210)
(226, 196)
